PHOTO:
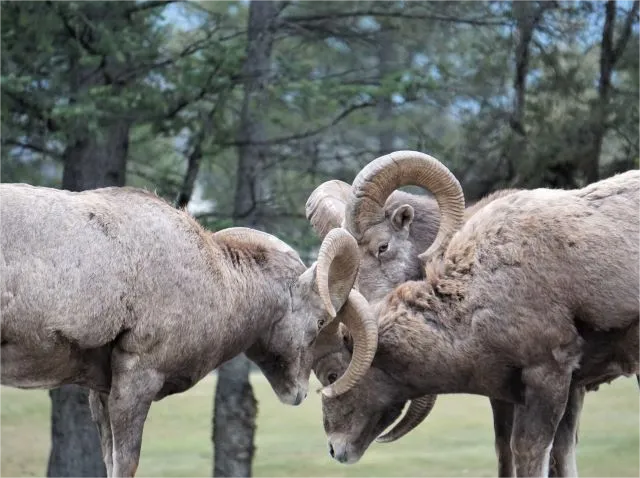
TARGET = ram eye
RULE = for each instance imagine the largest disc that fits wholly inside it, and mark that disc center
(320, 323)
(383, 248)
(332, 377)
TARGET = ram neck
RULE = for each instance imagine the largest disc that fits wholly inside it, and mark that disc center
(254, 303)
(427, 359)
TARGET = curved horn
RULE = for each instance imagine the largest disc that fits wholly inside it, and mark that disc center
(418, 410)
(376, 181)
(337, 268)
(325, 207)
(359, 319)
(258, 238)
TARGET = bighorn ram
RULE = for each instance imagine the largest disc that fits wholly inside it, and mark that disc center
(529, 301)
(390, 238)
(115, 290)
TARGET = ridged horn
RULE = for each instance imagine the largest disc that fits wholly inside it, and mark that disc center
(325, 206)
(358, 317)
(376, 181)
(258, 238)
(336, 269)
(418, 410)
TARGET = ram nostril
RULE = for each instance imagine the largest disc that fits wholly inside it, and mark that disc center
(300, 396)
(331, 452)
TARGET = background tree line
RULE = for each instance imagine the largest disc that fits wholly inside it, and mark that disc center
(237, 110)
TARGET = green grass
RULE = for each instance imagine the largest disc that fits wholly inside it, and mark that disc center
(456, 440)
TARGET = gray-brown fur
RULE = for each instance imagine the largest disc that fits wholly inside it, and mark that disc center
(535, 297)
(116, 290)
(409, 227)
(377, 277)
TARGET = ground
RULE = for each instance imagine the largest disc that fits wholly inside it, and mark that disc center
(456, 440)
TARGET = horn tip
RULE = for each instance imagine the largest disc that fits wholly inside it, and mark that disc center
(383, 439)
(331, 310)
(329, 392)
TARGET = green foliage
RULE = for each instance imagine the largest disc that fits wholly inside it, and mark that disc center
(445, 86)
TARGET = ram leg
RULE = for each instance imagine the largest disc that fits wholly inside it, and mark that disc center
(98, 403)
(536, 420)
(132, 392)
(502, 426)
(563, 453)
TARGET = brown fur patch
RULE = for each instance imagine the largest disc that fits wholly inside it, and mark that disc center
(98, 220)
(473, 208)
(407, 299)
(204, 239)
(128, 191)
(239, 253)
(402, 294)
(449, 275)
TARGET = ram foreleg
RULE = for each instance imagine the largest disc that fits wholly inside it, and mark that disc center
(132, 392)
(502, 426)
(563, 453)
(98, 403)
(536, 420)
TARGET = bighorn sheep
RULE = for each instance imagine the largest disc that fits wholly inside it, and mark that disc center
(115, 290)
(529, 301)
(390, 240)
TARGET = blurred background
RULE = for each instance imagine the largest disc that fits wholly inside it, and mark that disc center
(238, 110)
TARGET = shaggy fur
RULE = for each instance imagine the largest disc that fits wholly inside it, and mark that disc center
(390, 249)
(389, 257)
(535, 298)
(116, 290)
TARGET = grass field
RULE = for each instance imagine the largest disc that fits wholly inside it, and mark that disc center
(456, 440)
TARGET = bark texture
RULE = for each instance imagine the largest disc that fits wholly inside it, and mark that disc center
(610, 51)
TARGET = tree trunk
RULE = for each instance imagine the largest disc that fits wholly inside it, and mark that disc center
(527, 15)
(610, 51)
(235, 419)
(75, 445)
(90, 162)
(384, 106)
(249, 194)
(194, 159)
(235, 407)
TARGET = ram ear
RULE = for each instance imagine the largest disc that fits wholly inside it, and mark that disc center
(402, 217)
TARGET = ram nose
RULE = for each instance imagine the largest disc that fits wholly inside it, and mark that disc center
(302, 394)
(295, 395)
(339, 450)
